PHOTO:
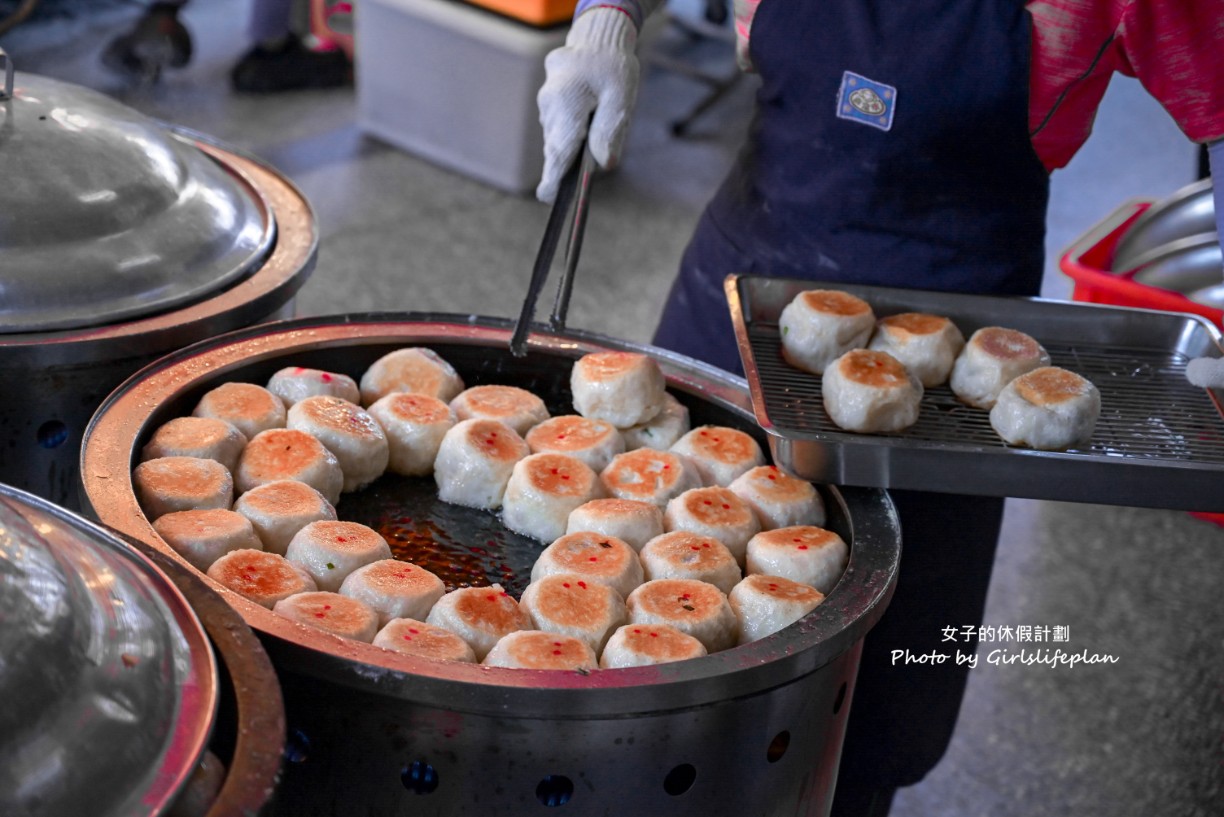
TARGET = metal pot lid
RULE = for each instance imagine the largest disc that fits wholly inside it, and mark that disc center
(107, 216)
(108, 681)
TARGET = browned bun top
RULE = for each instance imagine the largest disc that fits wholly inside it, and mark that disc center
(689, 549)
(614, 506)
(495, 440)
(183, 475)
(255, 573)
(835, 302)
(660, 642)
(1051, 385)
(869, 367)
(592, 554)
(599, 366)
(678, 599)
(282, 451)
(286, 497)
(776, 484)
(500, 401)
(426, 640)
(338, 414)
(799, 537)
(914, 323)
(393, 574)
(571, 599)
(643, 470)
(201, 523)
(558, 474)
(412, 370)
(241, 400)
(1005, 344)
(344, 537)
(722, 444)
(193, 432)
(570, 432)
(783, 589)
(331, 610)
(716, 506)
(533, 649)
(490, 609)
(417, 408)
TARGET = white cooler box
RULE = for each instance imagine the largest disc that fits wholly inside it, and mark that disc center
(455, 85)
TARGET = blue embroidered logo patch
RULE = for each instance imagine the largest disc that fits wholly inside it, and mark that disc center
(867, 101)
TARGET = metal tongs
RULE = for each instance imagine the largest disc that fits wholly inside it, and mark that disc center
(573, 199)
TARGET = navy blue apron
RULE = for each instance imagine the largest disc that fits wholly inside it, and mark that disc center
(940, 191)
(890, 148)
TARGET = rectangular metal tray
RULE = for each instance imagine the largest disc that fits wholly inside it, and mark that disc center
(1159, 442)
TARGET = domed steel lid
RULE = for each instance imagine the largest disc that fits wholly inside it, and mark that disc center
(107, 216)
(108, 681)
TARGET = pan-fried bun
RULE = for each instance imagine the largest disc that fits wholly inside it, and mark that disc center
(630, 520)
(475, 461)
(517, 408)
(694, 607)
(624, 388)
(685, 555)
(574, 605)
(294, 383)
(203, 437)
(764, 605)
(594, 556)
(284, 453)
(349, 432)
(778, 498)
(871, 392)
(264, 578)
(536, 649)
(329, 551)
(721, 454)
(416, 369)
(345, 617)
(480, 616)
(661, 431)
(715, 512)
(394, 589)
(649, 475)
(927, 345)
(1051, 409)
(802, 553)
(280, 509)
(993, 357)
(595, 442)
(415, 425)
(542, 491)
(641, 645)
(413, 637)
(202, 537)
(169, 484)
(249, 408)
(820, 325)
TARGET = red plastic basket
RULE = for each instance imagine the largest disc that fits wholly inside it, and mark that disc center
(1088, 263)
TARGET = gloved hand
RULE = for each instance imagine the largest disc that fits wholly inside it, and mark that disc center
(596, 70)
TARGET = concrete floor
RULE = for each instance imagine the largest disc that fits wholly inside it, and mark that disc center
(1138, 737)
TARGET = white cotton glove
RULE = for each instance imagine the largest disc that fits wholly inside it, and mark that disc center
(596, 70)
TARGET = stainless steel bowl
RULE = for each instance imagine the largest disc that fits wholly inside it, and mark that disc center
(752, 730)
(1174, 245)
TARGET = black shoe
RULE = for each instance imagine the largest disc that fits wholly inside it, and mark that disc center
(158, 41)
(290, 67)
